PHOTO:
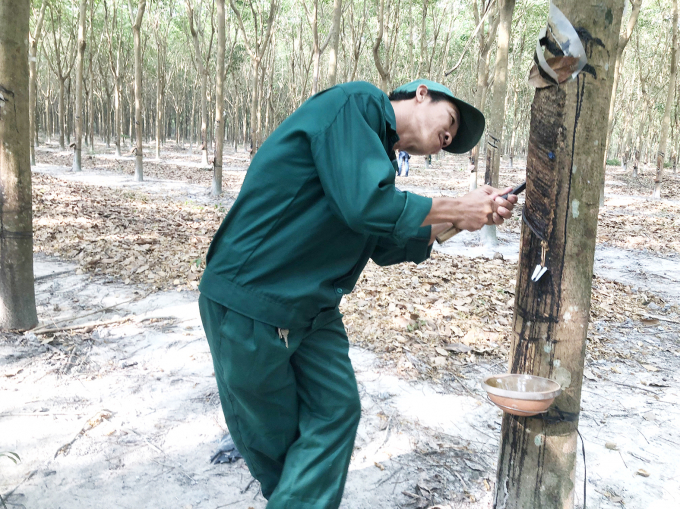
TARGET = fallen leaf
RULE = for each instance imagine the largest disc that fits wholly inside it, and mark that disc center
(441, 351)
(642, 472)
(611, 446)
(457, 347)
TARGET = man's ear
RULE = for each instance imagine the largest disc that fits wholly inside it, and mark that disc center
(421, 93)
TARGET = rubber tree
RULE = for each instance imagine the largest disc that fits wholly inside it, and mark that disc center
(136, 16)
(568, 129)
(203, 69)
(666, 121)
(219, 101)
(91, 94)
(485, 43)
(160, 30)
(335, 40)
(33, 40)
(256, 44)
(17, 295)
(624, 37)
(77, 152)
(64, 58)
(117, 65)
(494, 130)
(319, 48)
(388, 29)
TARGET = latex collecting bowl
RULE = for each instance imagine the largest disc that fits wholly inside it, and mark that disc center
(522, 395)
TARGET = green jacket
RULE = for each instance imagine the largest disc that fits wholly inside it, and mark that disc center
(318, 201)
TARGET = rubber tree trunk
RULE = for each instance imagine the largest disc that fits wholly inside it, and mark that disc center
(623, 41)
(537, 457)
(33, 77)
(485, 43)
(62, 114)
(204, 118)
(90, 130)
(77, 152)
(17, 295)
(118, 115)
(666, 122)
(494, 131)
(335, 39)
(136, 18)
(160, 102)
(219, 102)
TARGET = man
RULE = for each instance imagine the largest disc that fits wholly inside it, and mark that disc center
(318, 201)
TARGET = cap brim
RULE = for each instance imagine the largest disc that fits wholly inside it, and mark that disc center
(471, 128)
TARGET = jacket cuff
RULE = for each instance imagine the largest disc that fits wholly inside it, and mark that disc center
(418, 249)
(415, 211)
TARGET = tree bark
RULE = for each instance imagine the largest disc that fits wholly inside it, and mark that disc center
(77, 151)
(256, 46)
(90, 130)
(494, 130)
(17, 295)
(136, 16)
(383, 68)
(219, 102)
(335, 39)
(34, 38)
(537, 457)
(623, 41)
(665, 123)
(202, 69)
(485, 43)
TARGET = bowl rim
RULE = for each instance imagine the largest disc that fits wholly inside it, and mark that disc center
(535, 396)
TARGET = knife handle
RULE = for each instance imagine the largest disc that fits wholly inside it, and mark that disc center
(444, 236)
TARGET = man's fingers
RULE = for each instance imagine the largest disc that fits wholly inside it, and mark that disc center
(497, 220)
(504, 213)
(506, 204)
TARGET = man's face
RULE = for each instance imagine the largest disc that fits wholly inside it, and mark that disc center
(432, 127)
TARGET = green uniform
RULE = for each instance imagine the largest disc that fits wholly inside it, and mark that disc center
(318, 201)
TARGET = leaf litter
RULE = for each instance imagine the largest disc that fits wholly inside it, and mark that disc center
(426, 320)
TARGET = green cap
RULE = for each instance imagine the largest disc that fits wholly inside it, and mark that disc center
(471, 119)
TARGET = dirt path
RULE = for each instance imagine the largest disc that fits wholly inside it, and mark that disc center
(136, 398)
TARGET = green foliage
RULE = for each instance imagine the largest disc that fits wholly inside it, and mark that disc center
(413, 46)
(614, 162)
(16, 459)
(11, 455)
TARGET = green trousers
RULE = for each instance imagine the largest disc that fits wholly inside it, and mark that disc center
(291, 404)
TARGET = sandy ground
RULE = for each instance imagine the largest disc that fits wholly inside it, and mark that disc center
(127, 415)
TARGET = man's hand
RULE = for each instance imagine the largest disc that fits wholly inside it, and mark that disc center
(483, 206)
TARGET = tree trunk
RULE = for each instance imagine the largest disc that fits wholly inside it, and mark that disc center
(537, 457)
(17, 294)
(159, 102)
(219, 102)
(32, 59)
(335, 38)
(62, 115)
(383, 69)
(665, 123)
(136, 19)
(254, 106)
(204, 119)
(485, 43)
(77, 152)
(117, 115)
(91, 77)
(494, 130)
